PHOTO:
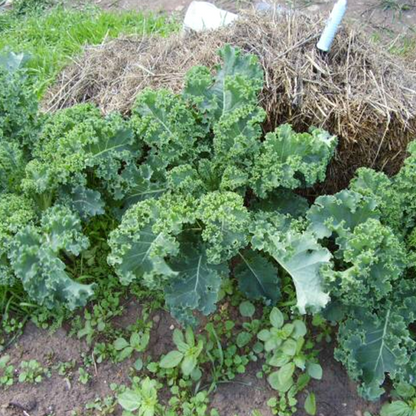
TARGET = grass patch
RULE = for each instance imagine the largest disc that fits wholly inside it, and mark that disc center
(395, 5)
(53, 36)
(403, 45)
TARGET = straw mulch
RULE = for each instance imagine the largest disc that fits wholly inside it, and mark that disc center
(358, 92)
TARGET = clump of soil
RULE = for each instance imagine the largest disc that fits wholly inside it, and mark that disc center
(357, 91)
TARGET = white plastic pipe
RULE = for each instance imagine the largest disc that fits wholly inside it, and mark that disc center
(332, 25)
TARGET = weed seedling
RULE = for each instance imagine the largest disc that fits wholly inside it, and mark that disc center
(32, 372)
(142, 399)
(6, 371)
(187, 354)
(138, 342)
(65, 369)
(83, 376)
(101, 407)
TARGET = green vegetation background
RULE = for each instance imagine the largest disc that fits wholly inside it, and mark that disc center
(52, 35)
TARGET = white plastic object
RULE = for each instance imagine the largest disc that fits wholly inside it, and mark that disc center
(332, 25)
(202, 15)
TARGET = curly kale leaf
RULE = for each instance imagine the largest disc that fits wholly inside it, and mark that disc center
(16, 212)
(86, 202)
(19, 119)
(373, 344)
(380, 188)
(142, 255)
(35, 259)
(395, 196)
(189, 180)
(209, 175)
(78, 147)
(283, 201)
(292, 160)
(146, 236)
(237, 83)
(237, 135)
(300, 255)
(230, 104)
(404, 187)
(180, 244)
(373, 258)
(12, 167)
(225, 225)
(340, 213)
(258, 278)
(166, 123)
(197, 283)
(150, 230)
(12, 62)
(103, 152)
(140, 183)
(236, 144)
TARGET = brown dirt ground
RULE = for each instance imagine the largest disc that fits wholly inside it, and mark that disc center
(336, 394)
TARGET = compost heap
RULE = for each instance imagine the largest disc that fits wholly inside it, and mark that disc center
(358, 91)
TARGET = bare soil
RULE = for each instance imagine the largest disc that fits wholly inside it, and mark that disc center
(58, 396)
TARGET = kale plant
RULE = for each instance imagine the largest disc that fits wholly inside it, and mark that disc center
(199, 194)
(209, 180)
(371, 282)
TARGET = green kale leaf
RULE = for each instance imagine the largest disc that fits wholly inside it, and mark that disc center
(35, 259)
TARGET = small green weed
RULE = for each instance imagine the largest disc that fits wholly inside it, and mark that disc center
(403, 45)
(325, 329)
(32, 372)
(101, 407)
(65, 369)
(83, 376)
(103, 351)
(142, 398)
(187, 354)
(98, 321)
(6, 372)
(138, 342)
(10, 329)
(45, 318)
(188, 406)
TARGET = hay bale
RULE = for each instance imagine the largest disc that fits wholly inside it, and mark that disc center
(358, 92)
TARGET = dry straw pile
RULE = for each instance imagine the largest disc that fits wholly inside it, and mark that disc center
(358, 92)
